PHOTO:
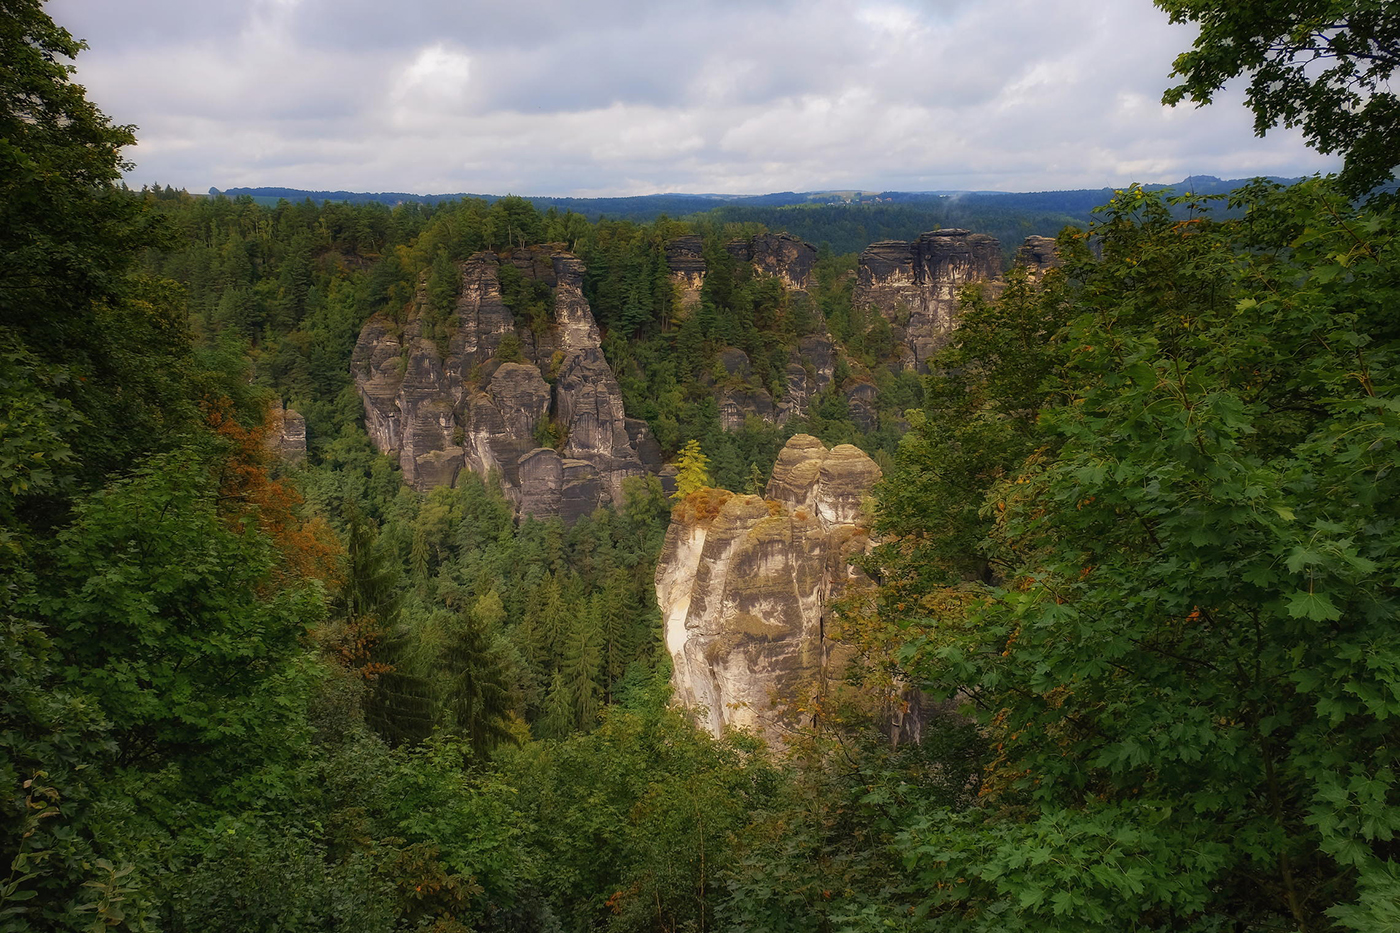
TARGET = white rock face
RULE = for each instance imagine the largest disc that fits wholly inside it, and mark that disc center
(745, 582)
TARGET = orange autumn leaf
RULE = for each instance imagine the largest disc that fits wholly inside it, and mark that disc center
(308, 547)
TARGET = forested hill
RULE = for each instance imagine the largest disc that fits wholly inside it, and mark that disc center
(847, 221)
(1137, 544)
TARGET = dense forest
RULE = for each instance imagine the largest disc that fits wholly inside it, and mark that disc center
(1138, 536)
(844, 222)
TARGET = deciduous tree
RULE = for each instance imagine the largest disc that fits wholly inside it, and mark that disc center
(1323, 65)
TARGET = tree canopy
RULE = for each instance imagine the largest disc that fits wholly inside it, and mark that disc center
(1323, 65)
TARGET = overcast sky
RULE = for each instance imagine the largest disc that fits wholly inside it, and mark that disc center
(610, 97)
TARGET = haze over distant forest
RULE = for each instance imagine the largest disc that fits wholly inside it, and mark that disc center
(806, 562)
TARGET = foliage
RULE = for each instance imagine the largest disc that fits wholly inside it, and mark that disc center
(690, 470)
(636, 818)
(1182, 664)
(1142, 530)
(70, 238)
(1322, 65)
(981, 401)
(165, 617)
(530, 299)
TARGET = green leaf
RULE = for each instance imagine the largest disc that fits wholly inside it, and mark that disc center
(1315, 606)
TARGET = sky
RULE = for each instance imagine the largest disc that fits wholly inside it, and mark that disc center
(595, 98)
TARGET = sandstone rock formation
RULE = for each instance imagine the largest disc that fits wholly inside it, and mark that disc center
(1038, 255)
(448, 398)
(745, 583)
(286, 438)
(860, 402)
(686, 260)
(915, 285)
(812, 362)
(785, 257)
(810, 370)
(781, 255)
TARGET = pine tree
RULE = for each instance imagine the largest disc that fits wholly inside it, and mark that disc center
(476, 703)
(615, 624)
(552, 623)
(418, 555)
(583, 667)
(558, 718)
(691, 470)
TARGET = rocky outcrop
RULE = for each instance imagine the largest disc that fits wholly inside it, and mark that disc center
(685, 258)
(784, 257)
(500, 422)
(1038, 255)
(738, 405)
(915, 285)
(475, 393)
(810, 370)
(286, 436)
(559, 487)
(781, 255)
(745, 584)
(860, 402)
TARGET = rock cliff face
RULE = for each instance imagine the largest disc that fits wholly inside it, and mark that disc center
(781, 255)
(785, 257)
(686, 260)
(744, 584)
(1038, 255)
(812, 362)
(286, 438)
(443, 408)
(915, 285)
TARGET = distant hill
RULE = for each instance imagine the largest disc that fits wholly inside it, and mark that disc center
(649, 206)
(639, 208)
(847, 221)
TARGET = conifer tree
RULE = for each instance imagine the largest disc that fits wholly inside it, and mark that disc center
(583, 666)
(691, 470)
(475, 702)
(558, 718)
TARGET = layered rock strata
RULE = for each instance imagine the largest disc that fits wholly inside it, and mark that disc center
(745, 584)
(479, 391)
(781, 255)
(812, 362)
(685, 259)
(785, 257)
(1038, 255)
(286, 438)
(915, 285)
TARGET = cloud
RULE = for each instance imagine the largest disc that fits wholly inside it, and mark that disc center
(633, 96)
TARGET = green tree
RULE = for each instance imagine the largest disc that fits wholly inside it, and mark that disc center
(1187, 661)
(111, 344)
(983, 397)
(636, 819)
(691, 470)
(513, 221)
(1323, 65)
(583, 666)
(476, 701)
(168, 619)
